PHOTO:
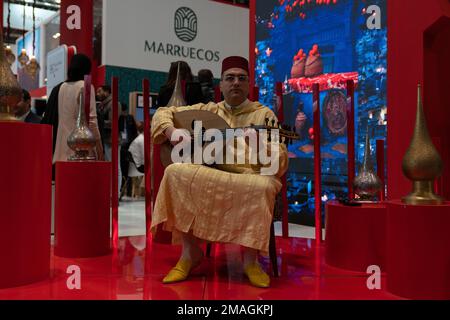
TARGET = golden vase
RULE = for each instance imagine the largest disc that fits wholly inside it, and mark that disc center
(177, 99)
(367, 184)
(81, 140)
(10, 91)
(422, 163)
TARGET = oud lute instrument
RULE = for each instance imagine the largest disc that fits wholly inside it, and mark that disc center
(186, 119)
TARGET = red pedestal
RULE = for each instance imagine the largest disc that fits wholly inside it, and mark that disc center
(418, 254)
(82, 209)
(355, 236)
(25, 203)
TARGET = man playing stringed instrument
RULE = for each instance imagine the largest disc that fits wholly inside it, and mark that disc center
(231, 205)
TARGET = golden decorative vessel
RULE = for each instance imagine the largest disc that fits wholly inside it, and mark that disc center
(10, 91)
(177, 99)
(81, 140)
(422, 163)
(367, 184)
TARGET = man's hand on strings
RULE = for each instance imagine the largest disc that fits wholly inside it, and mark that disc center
(252, 135)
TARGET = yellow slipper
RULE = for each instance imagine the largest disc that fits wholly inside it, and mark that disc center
(180, 272)
(257, 276)
(182, 269)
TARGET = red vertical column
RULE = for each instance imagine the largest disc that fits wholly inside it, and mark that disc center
(252, 40)
(255, 94)
(147, 153)
(115, 158)
(87, 97)
(351, 136)
(217, 94)
(284, 200)
(317, 164)
(101, 76)
(380, 168)
(76, 25)
(279, 93)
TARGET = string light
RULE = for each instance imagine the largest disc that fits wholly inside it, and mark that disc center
(23, 22)
(32, 68)
(23, 57)
(9, 22)
(34, 27)
(10, 57)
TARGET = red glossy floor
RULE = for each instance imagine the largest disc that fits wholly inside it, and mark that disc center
(135, 273)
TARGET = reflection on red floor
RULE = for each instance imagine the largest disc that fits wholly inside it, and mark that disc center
(134, 272)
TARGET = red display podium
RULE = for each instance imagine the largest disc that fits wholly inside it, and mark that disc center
(25, 203)
(355, 236)
(82, 209)
(418, 254)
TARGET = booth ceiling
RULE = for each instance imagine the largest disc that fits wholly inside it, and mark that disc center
(44, 9)
(52, 5)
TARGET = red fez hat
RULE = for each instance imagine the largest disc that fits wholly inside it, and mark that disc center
(234, 62)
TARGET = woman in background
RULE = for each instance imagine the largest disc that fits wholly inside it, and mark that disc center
(63, 105)
(206, 79)
(193, 90)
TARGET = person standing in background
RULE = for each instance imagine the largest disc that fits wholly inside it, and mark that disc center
(104, 111)
(62, 109)
(127, 133)
(136, 148)
(193, 93)
(205, 77)
(23, 109)
(137, 153)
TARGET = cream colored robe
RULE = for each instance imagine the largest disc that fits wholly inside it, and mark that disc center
(214, 204)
